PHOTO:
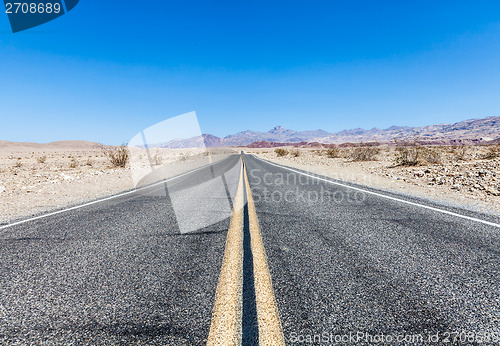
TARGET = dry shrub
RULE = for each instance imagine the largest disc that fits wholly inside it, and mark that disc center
(363, 152)
(432, 156)
(295, 153)
(157, 158)
(117, 156)
(407, 153)
(460, 152)
(333, 153)
(407, 156)
(89, 163)
(448, 149)
(42, 159)
(281, 152)
(73, 163)
(492, 153)
(19, 163)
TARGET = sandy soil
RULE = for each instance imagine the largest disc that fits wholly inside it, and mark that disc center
(35, 180)
(469, 182)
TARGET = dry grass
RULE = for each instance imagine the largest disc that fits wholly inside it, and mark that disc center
(295, 153)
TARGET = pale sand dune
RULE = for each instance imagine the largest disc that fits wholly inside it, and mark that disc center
(9, 147)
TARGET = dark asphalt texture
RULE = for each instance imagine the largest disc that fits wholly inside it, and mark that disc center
(362, 263)
(120, 272)
(116, 272)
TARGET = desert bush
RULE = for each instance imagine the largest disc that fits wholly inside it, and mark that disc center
(460, 152)
(73, 163)
(333, 153)
(407, 156)
(281, 152)
(448, 149)
(184, 157)
(432, 156)
(295, 153)
(157, 159)
(89, 162)
(363, 152)
(492, 153)
(42, 159)
(408, 153)
(19, 163)
(117, 156)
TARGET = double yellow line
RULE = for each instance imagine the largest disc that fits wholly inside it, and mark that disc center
(226, 326)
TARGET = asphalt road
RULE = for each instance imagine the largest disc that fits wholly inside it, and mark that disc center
(136, 270)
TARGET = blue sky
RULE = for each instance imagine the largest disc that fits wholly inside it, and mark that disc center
(108, 69)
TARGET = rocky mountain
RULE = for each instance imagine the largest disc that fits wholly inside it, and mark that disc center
(473, 130)
(276, 134)
(468, 131)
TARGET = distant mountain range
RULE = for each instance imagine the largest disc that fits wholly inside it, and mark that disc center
(276, 134)
(467, 131)
(473, 131)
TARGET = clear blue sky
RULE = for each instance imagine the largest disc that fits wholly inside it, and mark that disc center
(108, 69)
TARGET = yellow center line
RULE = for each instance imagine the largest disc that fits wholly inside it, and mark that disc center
(225, 328)
(226, 325)
(270, 328)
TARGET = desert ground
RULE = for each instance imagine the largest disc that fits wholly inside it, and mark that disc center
(35, 179)
(463, 176)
